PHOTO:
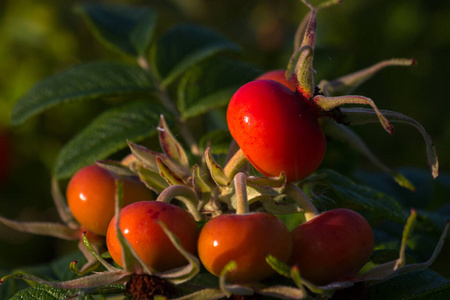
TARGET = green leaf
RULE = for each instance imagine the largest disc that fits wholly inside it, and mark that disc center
(82, 82)
(40, 291)
(345, 191)
(122, 28)
(184, 46)
(107, 134)
(424, 284)
(211, 84)
(219, 141)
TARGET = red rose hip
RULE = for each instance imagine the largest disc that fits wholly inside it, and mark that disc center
(139, 225)
(334, 245)
(277, 130)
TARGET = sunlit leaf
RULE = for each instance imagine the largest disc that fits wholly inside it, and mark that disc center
(123, 28)
(86, 81)
(107, 134)
(211, 84)
(184, 46)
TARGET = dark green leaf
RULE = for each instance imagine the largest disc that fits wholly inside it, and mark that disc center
(211, 84)
(218, 140)
(107, 134)
(123, 28)
(184, 46)
(40, 291)
(424, 284)
(344, 191)
(82, 82)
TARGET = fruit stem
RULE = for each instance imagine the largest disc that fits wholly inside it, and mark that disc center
(236, 163)
(186, 195)
(240, 184)
(302, 201)
(170, 106)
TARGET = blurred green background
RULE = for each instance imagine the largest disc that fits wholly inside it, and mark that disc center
(40, 38)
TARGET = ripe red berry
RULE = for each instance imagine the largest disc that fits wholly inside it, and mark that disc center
(332, 246)
(247, 239)
(277, 130)
(91, 196)
(139, 224)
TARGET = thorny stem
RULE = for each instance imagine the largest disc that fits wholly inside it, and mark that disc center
(169, 105)
(240, 184)
(184, 194)
(302, 200)
(235, 164)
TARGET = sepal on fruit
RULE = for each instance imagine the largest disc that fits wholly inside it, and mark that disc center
(131, 261)
(347, 136)
(376, 274)
(346, 84)
(303, 57)
(361, 116)
(330, 103)
(216, 171)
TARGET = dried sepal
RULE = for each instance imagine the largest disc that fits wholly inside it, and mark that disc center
(216, 171)
(171, 147)
(115, 167)
(230, 289)
(302, 26)
(283, 292)
(347, 136)
(151, 179)
(346, 84)
(168, 173)
(330, 103)
(44, 228)
(361, 116)
(201, 188)
(398, 267)
(93, 249)
(91, 253)
(61, 205)
(182, 274)
(145, 156)
(304, 71)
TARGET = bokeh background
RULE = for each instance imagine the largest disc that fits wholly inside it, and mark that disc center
(41, 38)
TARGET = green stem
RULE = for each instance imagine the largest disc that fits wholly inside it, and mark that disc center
(302, 201)
(240, 184)
(236, 163)
(184, 194)
(171, 107)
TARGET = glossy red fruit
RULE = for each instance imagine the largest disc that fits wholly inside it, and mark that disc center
(139, 224)
(332, 246)
(276, 129)
(278, 76)
(247, 239)
(91, 196)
